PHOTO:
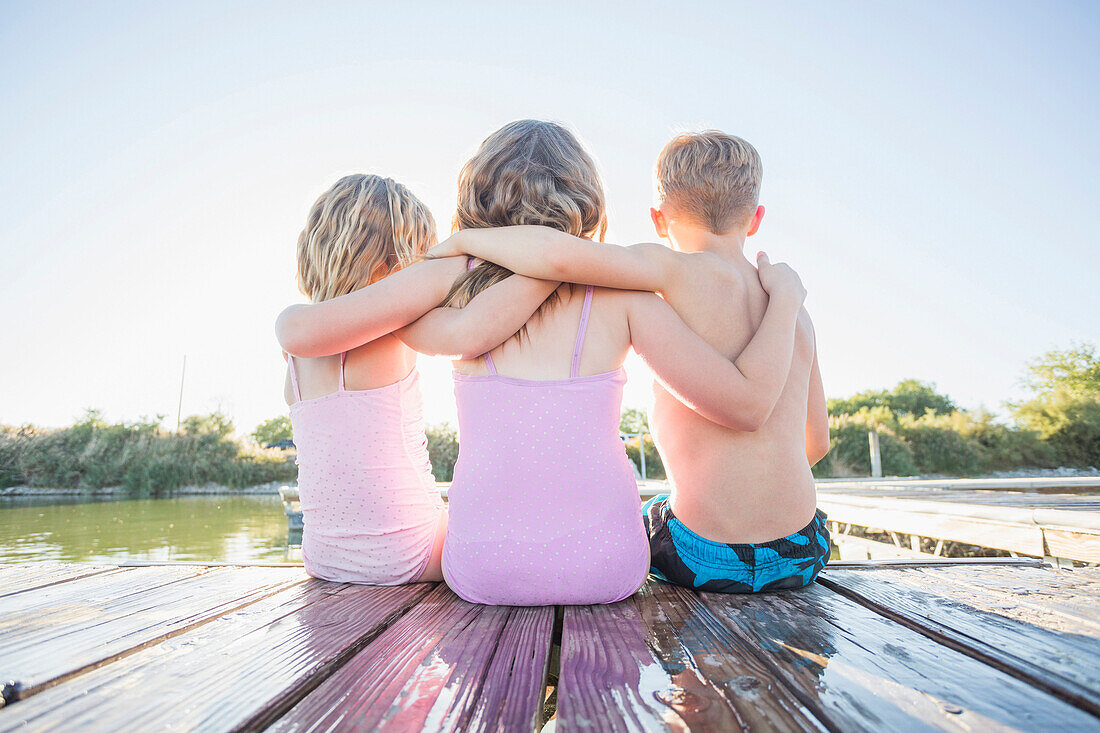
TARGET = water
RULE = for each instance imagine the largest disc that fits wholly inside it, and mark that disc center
(193, 528)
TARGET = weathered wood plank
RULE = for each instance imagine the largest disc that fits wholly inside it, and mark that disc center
(20, 578)
(1077, 544)
(237, 672)
(1061, 601)
(1063, 663)
(76, 592)
(446, 665)
(62, 629)
(662, 660)
(857, 670)
(929, 519)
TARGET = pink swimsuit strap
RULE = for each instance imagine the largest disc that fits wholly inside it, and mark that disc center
(582, 329)
(294, 375)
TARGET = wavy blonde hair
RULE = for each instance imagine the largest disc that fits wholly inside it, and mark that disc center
(359, 231)
(527, 172)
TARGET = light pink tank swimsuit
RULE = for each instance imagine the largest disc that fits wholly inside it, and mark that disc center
(544, 507)
(369, 501)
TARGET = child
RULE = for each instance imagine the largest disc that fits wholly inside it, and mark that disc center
(742, 515)
(371, 508)
(543, 507)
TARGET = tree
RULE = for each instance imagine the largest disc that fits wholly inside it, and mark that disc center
(1073, 373)
(215, 424)
(909, 397)
(1065, 408)
(272, 431)
(633, 420)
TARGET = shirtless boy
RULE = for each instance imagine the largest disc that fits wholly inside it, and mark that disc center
(742, 516)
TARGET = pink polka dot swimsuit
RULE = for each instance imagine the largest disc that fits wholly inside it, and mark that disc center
(369, 501)
(544, 506)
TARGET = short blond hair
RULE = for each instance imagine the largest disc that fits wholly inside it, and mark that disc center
(710, 177)
(362, 229)
(527, 172)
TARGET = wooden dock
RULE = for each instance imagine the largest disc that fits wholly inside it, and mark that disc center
(949, 645)
(1048, 518)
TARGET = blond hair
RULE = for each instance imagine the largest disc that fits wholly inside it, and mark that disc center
(527, 172)
(362, 229)
(711, 178)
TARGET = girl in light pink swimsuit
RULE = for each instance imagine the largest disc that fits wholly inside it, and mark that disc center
(371, 509)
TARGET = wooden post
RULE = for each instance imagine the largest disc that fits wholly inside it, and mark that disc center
(876, 456)
(179, 408)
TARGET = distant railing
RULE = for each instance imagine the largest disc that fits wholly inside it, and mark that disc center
(641, 451)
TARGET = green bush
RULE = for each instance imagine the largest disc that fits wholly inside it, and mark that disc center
(940, 444)
(138, 456)
(654, 466)
(442, 450)
(1070, 426)
(849, 454)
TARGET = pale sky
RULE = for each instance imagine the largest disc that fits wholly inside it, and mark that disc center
(929, 168)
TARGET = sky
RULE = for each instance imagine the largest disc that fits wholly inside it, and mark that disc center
(930, 169)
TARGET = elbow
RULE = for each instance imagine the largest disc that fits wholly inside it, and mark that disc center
(292, 335)
(751, 418)
(557, 265)
(817, 448)
(468, 341)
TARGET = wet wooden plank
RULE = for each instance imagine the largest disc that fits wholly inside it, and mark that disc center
(663, 660)
(1066, 664)
(446, 665)
(76, 592)
(237, 672)
(62, 629)
(858, 670)
(20, 578)
(1061, 600)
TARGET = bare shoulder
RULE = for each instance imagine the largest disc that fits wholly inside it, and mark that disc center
(710, 267)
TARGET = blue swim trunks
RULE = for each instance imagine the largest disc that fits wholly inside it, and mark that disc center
(682, 557)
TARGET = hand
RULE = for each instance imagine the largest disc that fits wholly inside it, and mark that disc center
(449, 247)
(779, 279)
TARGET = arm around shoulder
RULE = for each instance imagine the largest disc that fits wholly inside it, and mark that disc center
(341, 324)
(490, 319)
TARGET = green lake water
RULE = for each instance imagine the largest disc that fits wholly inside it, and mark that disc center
(194, 528)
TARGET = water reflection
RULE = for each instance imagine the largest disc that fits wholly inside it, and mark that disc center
(193, 528)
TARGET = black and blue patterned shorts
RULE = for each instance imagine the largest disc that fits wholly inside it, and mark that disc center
(682, 557)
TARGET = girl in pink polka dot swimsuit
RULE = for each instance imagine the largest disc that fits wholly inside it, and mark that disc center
(371, 508)
(544, 506)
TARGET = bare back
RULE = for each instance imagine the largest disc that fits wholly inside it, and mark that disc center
(735, 486)
(378, 363)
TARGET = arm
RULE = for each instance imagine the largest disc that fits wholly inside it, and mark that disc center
(739, 395)
(491, 318)
(817, 417)
(553, 255)
(340, 324)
